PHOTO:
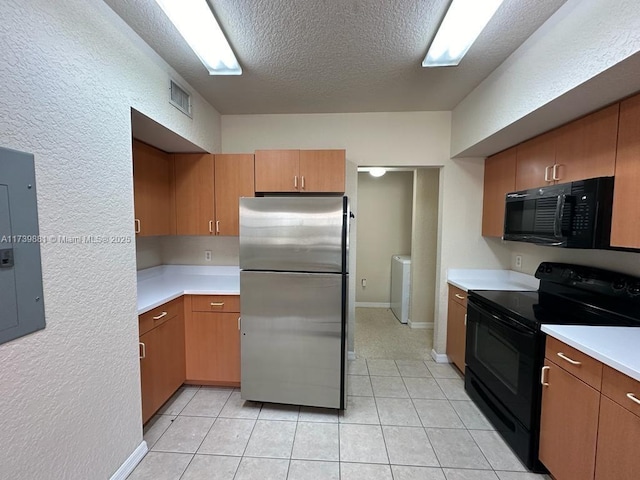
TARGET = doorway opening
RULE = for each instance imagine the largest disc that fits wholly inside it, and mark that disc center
(397, 216)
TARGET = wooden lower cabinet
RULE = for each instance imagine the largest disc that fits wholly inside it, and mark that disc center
(457, 326)
(618, 440)
(162, 364)
(568, 425)
(212, 344)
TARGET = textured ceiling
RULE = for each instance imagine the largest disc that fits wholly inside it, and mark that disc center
(321, 56)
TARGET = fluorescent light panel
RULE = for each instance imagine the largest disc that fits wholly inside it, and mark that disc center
(197, 25)
(462, 24)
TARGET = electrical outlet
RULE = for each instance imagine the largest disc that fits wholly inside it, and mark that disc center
(518, 261)
(207, 255)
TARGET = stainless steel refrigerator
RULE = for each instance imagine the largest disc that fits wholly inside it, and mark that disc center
(293, 299)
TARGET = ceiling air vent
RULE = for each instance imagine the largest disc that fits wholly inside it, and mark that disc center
(180, 98)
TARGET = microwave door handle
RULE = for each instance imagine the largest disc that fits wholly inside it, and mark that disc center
(557, 224)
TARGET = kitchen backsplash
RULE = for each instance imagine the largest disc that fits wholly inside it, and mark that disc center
(532, 255)
(182, 250)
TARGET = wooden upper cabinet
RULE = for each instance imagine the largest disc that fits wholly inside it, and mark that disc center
(277, 170)
(322, 171)
(499, 179)
(535, 160)
(586, 148)
(195, 209)
(234, 178)
(625, 220)
(300, 171)
(153, 191)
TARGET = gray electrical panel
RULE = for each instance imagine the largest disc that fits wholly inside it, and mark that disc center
(21, 300)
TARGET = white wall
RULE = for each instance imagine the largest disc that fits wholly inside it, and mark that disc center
(391, 139)
(385, 207)
(71, 71)
(580, 59)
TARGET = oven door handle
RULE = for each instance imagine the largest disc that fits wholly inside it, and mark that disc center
(506, 322)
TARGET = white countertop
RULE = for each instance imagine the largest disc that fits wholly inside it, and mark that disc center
(161, 284)
(483, 279)
(616, 347)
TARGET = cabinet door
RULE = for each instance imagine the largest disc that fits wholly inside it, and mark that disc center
(568, 425)
(499, 179)
(277, 170)
(586, 148)
(195, 210)
(535, 158)
(618, 440)
(150, 372)
(322, 171)
(234, 178)
(171, 348)
(456, 334)
(213, 347)
(625, 220)
(153, 191)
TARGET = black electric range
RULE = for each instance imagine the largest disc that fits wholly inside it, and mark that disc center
(505, 346)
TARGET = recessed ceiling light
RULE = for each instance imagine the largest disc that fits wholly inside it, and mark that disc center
(197, 25)
(462, 24)
(377, 172)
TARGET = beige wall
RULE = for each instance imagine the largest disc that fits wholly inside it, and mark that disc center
(424, 246)
(385, 206)
(71, 72)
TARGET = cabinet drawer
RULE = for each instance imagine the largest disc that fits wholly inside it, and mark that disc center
(575, 362)
(159, 315)
(618, 387)
(458, 295)
(215, 303)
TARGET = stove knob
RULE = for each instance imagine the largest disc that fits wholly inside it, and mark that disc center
(619, 284)
(548, 269)
(634, 289)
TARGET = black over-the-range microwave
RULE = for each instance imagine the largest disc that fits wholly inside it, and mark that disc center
(573, 215)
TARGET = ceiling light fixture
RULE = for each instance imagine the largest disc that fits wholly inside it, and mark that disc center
(197, 25)
(462, 24)
(377, 172)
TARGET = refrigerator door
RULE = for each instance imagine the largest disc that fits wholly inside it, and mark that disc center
(292, 342)
(293, 234)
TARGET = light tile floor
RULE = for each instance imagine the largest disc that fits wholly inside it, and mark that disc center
(405, 420)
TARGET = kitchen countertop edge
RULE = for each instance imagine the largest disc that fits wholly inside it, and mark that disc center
(486, 279)
(615, 347)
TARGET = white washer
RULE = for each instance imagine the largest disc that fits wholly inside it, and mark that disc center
(400, 286)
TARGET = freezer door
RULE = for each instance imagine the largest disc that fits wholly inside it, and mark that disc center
(292, 338)
(293, 234)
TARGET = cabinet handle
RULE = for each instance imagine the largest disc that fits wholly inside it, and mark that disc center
(633, 398)
(137, 225)
(239, 327)
(162, 315)
(295, 181)
(542, 380)
(555, 169)
(210, 226)
(465, 319)
(217, 304)
(461, 297)
(572, 362)
(143, 349)
(217, 226)
(546, 174)
(302, 182)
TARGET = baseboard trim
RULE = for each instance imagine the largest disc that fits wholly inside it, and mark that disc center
(439, 357)
(422, 325)
(351, 355)
(373, 304)
(131, 463)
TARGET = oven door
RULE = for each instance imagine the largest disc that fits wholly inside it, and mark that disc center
(501, 353)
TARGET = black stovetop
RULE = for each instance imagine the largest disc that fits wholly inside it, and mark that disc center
(569, 295)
